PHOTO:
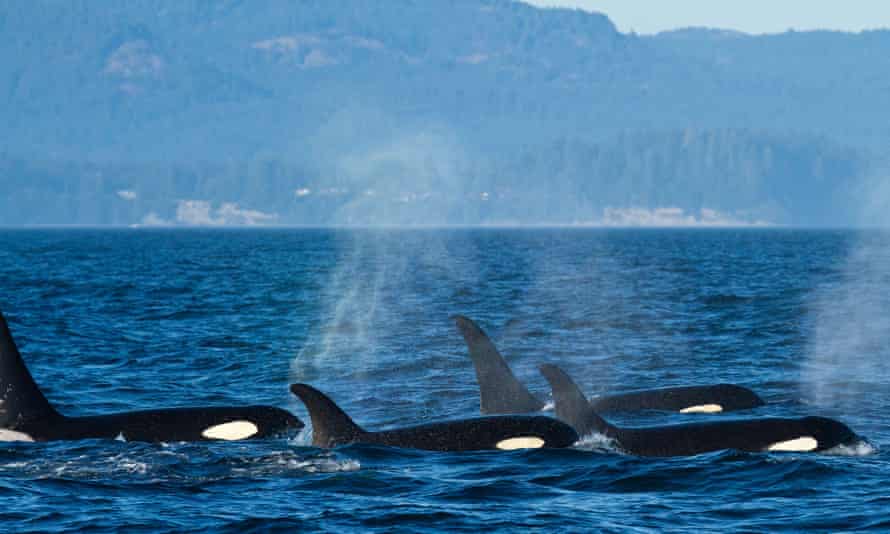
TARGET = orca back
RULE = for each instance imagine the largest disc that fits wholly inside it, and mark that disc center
(331, 427)
(26, 415)
(684, 399)
(213, 423)
(767, 434)
(500, 432)
(807, 434)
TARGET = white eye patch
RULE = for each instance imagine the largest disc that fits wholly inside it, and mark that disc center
(802, 444)
(232, 431)
(521, 442)
(12, 435)
(703, 408)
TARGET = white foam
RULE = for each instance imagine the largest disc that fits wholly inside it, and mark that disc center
(703, 408)
(137, 468)
(548, 407)
(283, 461)
(860, 448)
(90, 466)
(231, 431)
(597, 442)
(325, 465)
(303, 437)
(801, 444)
(520, 442)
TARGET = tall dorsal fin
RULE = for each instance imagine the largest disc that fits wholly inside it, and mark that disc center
(20, 398)
(330, 424)
(499, 390)
(571, 405)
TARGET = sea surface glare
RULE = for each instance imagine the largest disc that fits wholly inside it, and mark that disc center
(116, 320)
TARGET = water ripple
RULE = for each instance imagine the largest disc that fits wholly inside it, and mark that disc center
(114, 320)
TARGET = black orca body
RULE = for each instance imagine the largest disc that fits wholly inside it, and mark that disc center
(331, 427)
(684, 399)
(752, 435)
(26, 415)
(500, 392)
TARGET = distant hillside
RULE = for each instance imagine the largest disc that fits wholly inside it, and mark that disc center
(714, 177)
(247, 102)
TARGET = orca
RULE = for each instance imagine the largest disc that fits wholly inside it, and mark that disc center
(332, 427)
(26, 415)
(802, 434)
(501, 392)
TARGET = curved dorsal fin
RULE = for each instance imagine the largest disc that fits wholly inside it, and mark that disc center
(499, 390)
(571, 405)
(330, 424)
(20, 398)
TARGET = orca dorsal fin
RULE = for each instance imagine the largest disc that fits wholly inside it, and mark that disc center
(500, 392)
(330, 424)
(20, 398)
(571, 405)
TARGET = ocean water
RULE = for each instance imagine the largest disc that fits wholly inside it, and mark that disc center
(113, 320)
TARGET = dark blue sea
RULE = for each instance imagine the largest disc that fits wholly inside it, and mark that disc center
(116, 320)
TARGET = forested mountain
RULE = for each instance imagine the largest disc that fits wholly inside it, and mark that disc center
(735, 176)
(435, 112)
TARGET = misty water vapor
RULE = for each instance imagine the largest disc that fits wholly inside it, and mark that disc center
(848, 359)
(369, 301)
(390, 172)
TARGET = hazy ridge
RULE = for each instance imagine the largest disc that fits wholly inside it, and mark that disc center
(462, 112)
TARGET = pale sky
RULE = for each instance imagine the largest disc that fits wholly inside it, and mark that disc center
(750, 16)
